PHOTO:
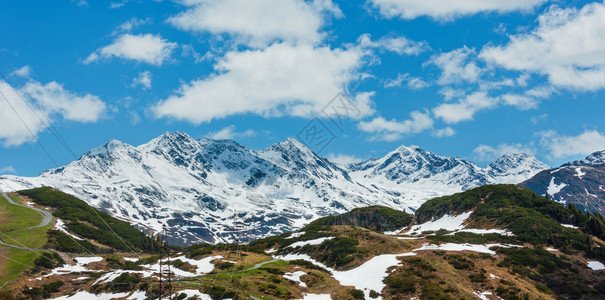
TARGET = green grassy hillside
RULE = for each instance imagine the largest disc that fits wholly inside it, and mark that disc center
(13, 219)
(87, 222)
(375, 218)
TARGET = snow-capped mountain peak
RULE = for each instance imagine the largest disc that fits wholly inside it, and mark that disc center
(110, 148)
(515, 167)
(596, 158)
(204, 190)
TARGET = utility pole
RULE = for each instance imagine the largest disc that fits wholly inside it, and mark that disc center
(161, 246)
(169, 274)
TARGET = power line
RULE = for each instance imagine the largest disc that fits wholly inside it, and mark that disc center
(50, 156)
(28, 129)
(85, 249)
(47, 123)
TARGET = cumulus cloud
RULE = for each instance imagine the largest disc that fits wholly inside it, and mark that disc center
(51, 100)
(448, 9)
(491, 153)
(148, 48)
(131, 24)
(118, 4)
(54, 98)
(561, 146)
(520, 101)
(568, 46)
(343, 159)
(229, 132)
(444, 132)
(457, 66)
(297, 80)
(8, 169)
(399, 45)
(465, 108)
(143, 80)
(12, 130)
(392, 130)
(257, 23)
(414, 83)
(24, 71)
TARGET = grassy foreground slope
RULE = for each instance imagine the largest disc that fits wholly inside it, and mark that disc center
(528, 254)
(89, 223)
(13, 219)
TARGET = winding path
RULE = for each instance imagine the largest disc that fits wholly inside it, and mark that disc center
(47, 217)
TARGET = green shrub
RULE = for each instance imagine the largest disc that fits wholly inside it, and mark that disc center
(357, 294)
(49, 260)
(478, 277)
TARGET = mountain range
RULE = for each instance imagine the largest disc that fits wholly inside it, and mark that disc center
(220, 191)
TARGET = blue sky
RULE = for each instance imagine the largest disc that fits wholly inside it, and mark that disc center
(473, 79)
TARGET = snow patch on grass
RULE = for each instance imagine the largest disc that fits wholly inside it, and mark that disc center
(463, 247)
(131, 259)
(569, 226)
(87, 296)
(483, 295)
(295, 235)
(366, 277)
(60, 225)
(596, 265)
(486, 231)
(193, 293)
(447, 222)
(295, 276)
(316, 297)
(311, 242)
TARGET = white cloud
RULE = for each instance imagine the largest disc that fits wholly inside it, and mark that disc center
(55, 99)
(490, 153)
(449, 9)
(52, 100)
(465, 108)
(80, 3)
(281, 79)
(135, 119)
(131, 24)
(8, 169)
(149, 48)
(568, 47)
(257, 23)
(399, 45)
(560, 146)
(444, 132)
(144, 80)
(12, 130)
(417, 83)
(537, 119)
(520, 101)
(24, 71)
(450, 93)
(414, 83)
(343, 159)
(118, 4)
(229, 132)
(392, 130)
(457, 66)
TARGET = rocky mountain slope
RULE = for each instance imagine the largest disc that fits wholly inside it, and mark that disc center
(580, 182)
(218, 190)
(491, 242)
